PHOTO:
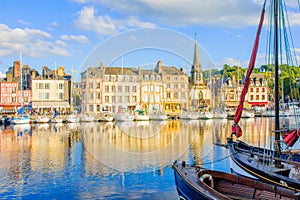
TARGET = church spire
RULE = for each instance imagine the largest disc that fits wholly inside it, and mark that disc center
(196, 72)
(196, 54)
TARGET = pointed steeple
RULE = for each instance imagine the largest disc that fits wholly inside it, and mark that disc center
(196, 72)
(196, 54)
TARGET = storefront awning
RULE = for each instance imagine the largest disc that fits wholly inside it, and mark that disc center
(51, 104)
(258, 103)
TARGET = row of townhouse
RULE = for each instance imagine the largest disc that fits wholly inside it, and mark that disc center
(49, 91)
(115, 88)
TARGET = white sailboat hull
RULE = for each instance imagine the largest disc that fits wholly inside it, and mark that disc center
(188, 115)
(20, 120)
(123, 117)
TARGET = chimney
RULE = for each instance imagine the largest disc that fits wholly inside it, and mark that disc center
(101, 66)
(139, 70)
(159, 66)
(182, 70)
(16, 69)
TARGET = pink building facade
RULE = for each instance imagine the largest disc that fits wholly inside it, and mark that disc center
(11, 97)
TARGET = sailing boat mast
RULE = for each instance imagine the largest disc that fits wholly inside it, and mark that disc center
(21, 81)
(276, 89)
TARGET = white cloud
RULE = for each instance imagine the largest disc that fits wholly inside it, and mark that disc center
(106, 25)
(77, 38)
(225, 13)
(32, 41)
(231, 13)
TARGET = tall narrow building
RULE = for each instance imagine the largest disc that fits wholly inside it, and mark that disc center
(196, 72)
(200, 94)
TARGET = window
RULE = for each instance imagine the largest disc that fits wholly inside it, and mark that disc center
(113, 99)
(168, 78)
(98, 95)
(106, 88)
(14, 90)
(263, 97)
(182, 86)
(90, 85)
(175, 95)
(98, 108)
(168, 86)
(127, 99)
(60, 86)
(106, 99)
(126, 88)
(168, 95)
(251, 89)
(175, 86)
(175, 78)
(47, 86)
(251, 97)
(120, 88)
(91, 108)
(257, 97)
(120, 99)
(13, 99)
(40, 95)
(134, 99)
(263, 89)
(134, 88)
(113, 88)
(61, 96)
(91, 96)
(47, 95)
(257, 89)
(41, 86)
(98, 85)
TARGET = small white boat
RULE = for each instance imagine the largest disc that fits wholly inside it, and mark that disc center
(123, 117)
(22, 119)
(140, 115)
(219, 114)
(248, 114)
(158, 115)
(72, 118)
(42, 119)
(205, 115)
(105, 117)
(87, 118)
(188, 115)
(56, 118)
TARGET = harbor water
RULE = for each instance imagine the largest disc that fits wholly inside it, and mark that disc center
(113, 160)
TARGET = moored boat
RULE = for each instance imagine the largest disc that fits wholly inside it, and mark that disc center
(188, 115)
(194, 182)
(278, 164)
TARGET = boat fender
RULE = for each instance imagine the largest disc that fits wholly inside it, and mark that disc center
(207, 179)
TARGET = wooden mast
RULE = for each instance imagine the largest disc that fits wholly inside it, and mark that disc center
(276, 90)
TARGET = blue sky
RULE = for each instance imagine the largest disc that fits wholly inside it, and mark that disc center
(79, 33)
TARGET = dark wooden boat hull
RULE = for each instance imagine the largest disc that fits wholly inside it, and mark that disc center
(258, 162)
(197, 183)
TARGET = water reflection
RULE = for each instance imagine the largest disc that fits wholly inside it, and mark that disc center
(113, 160)
(139, 146)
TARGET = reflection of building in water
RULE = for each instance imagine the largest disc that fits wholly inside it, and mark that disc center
(257, 131)
(202, 141)
(126, 151)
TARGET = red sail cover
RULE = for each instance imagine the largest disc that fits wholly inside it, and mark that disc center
(291, 137)
(236, 129)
